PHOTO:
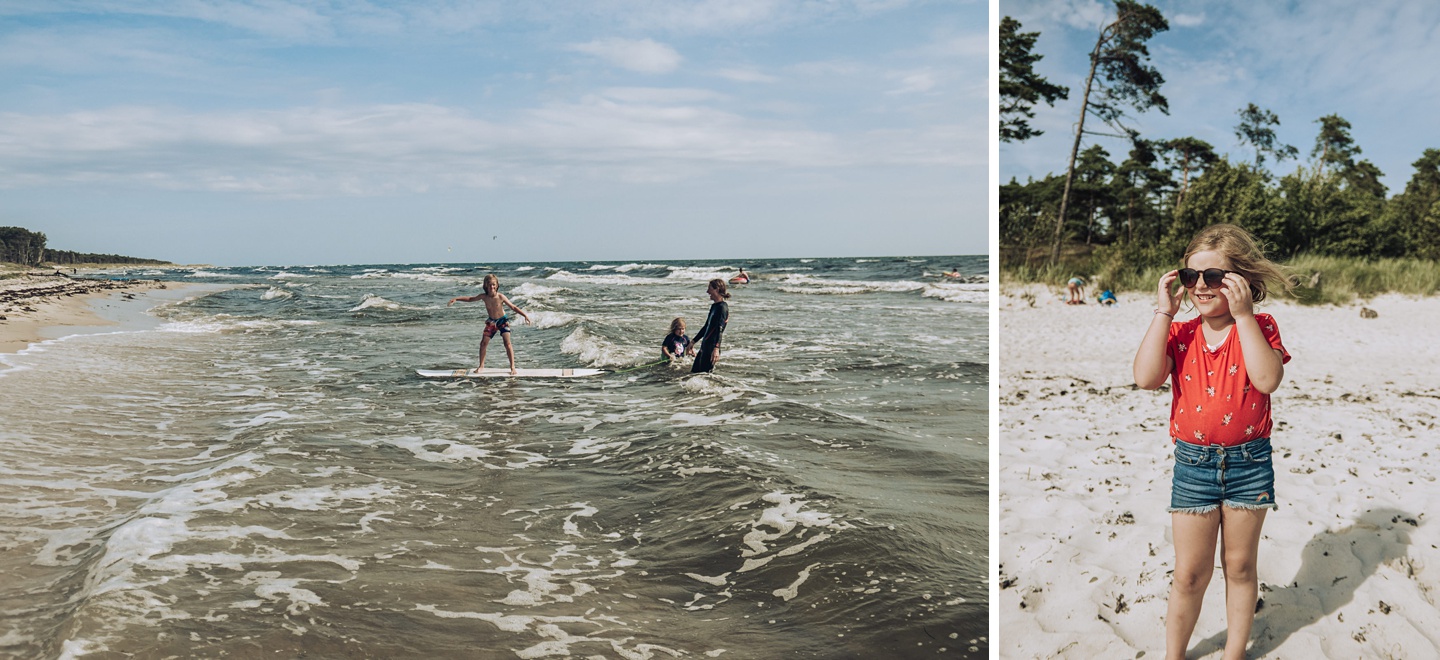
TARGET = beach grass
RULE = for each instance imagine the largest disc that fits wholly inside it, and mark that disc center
(1319, 280)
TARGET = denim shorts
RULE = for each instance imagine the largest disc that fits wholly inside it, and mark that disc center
(1206, 476)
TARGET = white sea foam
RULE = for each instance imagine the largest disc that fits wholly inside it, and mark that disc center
(596, 351)
(273, 293)
(809, 284)
(322, 498)
(692, 419)
(206, 273)
(629, 267)
(285, 274)
(622, 280)
(522, 269)
(600, 267)
(700, 273)
(551, 319)
(373, 301)
(222, 323)
(794, 589)
(785, 516)
(429, 450)
(423, 277)
(958, 292)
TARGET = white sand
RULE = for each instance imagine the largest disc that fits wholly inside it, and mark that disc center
(1348, 566)
(34, 309)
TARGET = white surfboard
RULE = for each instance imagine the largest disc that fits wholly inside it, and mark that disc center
(505, 373)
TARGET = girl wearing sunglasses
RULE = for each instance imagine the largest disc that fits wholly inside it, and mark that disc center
(1222, 365)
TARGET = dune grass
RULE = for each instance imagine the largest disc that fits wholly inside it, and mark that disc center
(1320, 280)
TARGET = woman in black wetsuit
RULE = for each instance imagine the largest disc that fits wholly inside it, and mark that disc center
(706, 346)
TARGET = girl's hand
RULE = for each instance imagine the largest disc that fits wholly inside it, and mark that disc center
(1237, 293)
(452, 302)
(1166, 301)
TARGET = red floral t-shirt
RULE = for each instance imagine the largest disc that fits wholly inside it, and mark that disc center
(1214, 402)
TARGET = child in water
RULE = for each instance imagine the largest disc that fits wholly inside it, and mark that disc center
(495, 303)
(675, 343)
(708, 337)
(1222, 366)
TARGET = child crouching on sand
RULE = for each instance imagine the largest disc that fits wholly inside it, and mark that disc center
(1222, 366)
(495, 303)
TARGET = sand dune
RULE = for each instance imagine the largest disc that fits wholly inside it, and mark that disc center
(1349, 565)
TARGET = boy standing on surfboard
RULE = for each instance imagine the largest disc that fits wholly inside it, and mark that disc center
(495, 303)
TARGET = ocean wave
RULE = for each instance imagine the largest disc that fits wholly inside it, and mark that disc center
(221, 324)
(958, 292)
(809, 284)
(273, 293)
(287, 275)
(551, 319)
(423, 277)
(700, 273)
(206, 273)
(600, 267)
(567, 276)
(596, 351)
(629, 267)
(532, 290)
(373, 301)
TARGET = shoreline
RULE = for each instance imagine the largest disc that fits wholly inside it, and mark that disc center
(35, 309)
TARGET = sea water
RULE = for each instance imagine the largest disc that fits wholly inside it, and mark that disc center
(261, 474)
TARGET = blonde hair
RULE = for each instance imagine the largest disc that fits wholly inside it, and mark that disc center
(491, 279)
(677, 325)
(719, 285)
(1245, 256)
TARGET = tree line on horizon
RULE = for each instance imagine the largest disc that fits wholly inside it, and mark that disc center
(1130, 212)
(27, 248)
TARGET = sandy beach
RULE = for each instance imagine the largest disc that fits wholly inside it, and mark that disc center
(35, 308)
(1349, 565)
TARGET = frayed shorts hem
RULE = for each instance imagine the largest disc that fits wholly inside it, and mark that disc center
(1202, 510)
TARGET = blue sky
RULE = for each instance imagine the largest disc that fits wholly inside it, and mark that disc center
(305, 131)
(1372, 63)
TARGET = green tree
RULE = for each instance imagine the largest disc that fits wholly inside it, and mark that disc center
(1333, 145)
(1126, 81)
(1255, 128)
(1227, 193)
(1321, 214)
(1093, 192)
(1188, 153)
(1020, 87)
(1139, 185)
(21, 246)
(1413, 216)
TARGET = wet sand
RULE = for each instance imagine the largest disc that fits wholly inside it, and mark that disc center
(34, 309)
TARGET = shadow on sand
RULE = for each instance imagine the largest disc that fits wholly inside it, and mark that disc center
(1332, 566)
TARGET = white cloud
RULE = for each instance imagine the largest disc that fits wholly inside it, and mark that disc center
(746, 75)
(642, 55)
(1187, 20)
(913, 81)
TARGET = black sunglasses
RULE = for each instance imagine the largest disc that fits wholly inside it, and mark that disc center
(1213, 277)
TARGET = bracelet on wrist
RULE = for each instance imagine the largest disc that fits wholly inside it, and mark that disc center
(1159, 311)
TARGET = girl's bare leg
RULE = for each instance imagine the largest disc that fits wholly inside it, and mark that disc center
(1195, 535)
(485, 342)
(1240, 544)
(510, 351)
